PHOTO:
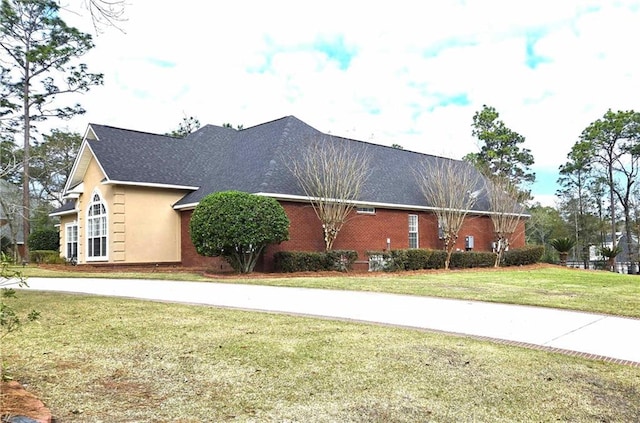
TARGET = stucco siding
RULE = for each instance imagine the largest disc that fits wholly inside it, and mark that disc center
(142, 226)
(149, 231)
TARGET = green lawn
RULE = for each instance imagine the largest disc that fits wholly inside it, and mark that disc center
(95, 359)
(549, 286)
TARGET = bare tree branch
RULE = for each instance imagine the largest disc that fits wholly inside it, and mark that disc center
(332, 174)
(451, 187)
(505, 204)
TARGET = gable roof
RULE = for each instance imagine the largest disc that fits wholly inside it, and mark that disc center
(253, 160)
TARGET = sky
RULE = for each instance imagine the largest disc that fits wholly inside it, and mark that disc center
(405, 72)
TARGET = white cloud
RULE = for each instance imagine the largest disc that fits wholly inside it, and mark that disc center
(416, 71)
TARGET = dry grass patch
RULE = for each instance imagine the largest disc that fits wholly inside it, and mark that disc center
(94, 359)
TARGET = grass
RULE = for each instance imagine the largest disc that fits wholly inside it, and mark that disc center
(95, 359)
(548, 286)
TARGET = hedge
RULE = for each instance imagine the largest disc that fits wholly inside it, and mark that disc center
(523, 256)
(44, 239)
(46, 257)
(311, 261)
(417, 259)
(472, 259)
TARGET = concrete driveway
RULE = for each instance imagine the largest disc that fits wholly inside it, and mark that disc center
(589, 335)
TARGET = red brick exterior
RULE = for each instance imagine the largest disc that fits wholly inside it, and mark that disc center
(362, 232)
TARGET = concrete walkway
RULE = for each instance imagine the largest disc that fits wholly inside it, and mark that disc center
(589, 335)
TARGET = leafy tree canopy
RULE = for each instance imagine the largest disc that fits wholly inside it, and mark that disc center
(237, 226)
(500, 154)
(187, 126)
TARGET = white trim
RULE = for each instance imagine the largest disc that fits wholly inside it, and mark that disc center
(104, 257)
(64, 213)
(66, 239)
(186, 206)
(417, 231)
(149, 185)
(305, 199)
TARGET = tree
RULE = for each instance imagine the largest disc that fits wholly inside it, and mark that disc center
(228, 125)
(51, 164)
(544, 224)
(505, 205)
(563, 246)
(237, 226)
(187, 126)
(615, 143)
(500, 152)
(105, 12)
(38, 55)
(331, 173)
(451, 187)
(11, 212)
(575, 178)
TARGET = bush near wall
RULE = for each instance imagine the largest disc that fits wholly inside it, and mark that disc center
(417, 259)
(46, 257)
(312, 261)
(44, 239)
(472, 259)
(523, 256)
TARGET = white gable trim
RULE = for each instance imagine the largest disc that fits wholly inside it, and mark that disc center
(149, 184)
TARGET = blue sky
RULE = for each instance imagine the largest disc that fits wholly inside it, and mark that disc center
(410, 72)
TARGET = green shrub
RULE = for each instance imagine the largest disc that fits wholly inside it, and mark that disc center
(237, 226)
(417, 259)
(46, 257)
(44, 239)
(313, 261)
(472, 259)
(436, 259)
(522, 256)
(341, 260)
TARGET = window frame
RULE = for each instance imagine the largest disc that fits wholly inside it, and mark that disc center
(414, 230)
(366, 210)
(97, 228)
(71, 238)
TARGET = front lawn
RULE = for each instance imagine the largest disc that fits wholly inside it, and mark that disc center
(540, 285)
(95, 359)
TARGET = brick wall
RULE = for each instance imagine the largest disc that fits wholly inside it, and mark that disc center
(362, 232)
(190, 256)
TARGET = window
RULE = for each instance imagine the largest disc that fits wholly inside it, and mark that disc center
(96, 229)
(413, 231)
(71, 237)
(366, 210)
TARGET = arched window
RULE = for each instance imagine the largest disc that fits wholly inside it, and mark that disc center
(96, 229)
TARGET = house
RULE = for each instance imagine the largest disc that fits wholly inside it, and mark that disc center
(131, 194)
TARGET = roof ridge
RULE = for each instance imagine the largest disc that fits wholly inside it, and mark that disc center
(133, 130)
(277, 151)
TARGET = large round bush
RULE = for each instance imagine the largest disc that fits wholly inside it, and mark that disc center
(237, 226)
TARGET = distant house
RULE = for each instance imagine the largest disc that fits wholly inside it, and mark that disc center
(131, 194)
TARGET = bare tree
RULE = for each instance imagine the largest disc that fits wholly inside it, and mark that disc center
(505, 206)
(105, 13)
(332, 174)
(451, 187)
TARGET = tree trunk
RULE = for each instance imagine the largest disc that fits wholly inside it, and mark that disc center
(563, 258)
(26, 198)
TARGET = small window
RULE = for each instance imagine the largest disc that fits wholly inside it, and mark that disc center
(413, 231)
(71, 240)
(366, 210)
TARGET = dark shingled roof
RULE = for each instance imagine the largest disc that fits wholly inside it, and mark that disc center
(216, 158)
